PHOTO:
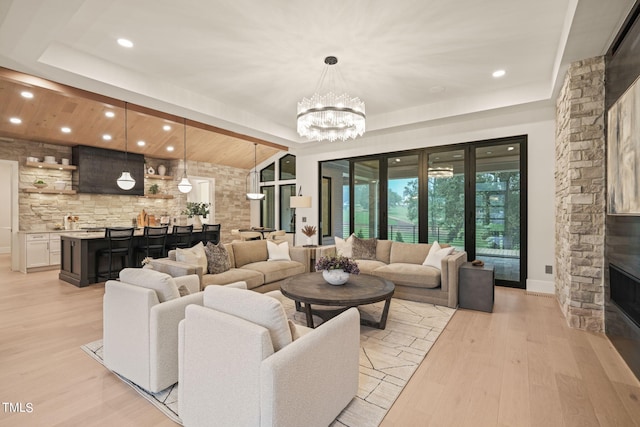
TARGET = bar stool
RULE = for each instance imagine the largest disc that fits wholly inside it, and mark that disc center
(211, 233)
(120, 241)
(181, 236)
(155, 240)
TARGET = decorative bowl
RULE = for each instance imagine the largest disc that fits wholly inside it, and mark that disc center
(39, 185)
(335, 277)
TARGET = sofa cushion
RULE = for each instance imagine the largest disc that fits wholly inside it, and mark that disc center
(195, 255)
(253, 307)
(278, 251)
(409, 274)
(436, 254)
(249, 251)
(367, 266)
(274, 271)
(410, 253)
(364, 248)
(163, 284)
(344, 247)
(252, 278)
(217, 258)
(383, 251)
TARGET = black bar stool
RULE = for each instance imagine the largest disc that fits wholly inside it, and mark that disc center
(155, 241)
(211, 233)
(181, 236)
(120, 240)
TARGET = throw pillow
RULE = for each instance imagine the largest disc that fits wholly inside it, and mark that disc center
(364, 248)
(344, 247)
(436, 254)
(194, 256)
(217, 258)
(278, 252)
(183, 290)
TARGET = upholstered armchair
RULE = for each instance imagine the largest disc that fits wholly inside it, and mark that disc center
(243, 364)
(141, 313)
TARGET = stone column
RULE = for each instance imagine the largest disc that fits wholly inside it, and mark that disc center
(580, 195)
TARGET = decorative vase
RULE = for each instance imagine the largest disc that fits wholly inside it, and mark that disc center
(162, 170)
(197, 221)
(335, 277)
(309, 241)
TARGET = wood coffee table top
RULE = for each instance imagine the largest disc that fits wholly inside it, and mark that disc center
(361, 289)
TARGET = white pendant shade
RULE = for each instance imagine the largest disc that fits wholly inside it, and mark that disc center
(300, 202)
(184, 186)
(255, 196)
(126, 181)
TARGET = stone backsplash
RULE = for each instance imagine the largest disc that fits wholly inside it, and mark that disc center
(580, 195)
(41, 212)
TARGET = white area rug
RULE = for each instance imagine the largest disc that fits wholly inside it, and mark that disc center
(388, 358)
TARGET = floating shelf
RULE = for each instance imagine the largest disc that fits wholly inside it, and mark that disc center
(162, 177)
(158, 196)
(48, 191)
(43, 165)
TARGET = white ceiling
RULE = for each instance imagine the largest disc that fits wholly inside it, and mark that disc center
(243, 64)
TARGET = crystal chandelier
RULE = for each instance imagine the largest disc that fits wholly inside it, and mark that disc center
(440, 171)
(330, 116)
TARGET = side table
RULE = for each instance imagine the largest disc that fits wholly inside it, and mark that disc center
(475, 288)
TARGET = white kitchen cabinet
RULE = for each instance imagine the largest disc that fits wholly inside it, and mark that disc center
(39, 251)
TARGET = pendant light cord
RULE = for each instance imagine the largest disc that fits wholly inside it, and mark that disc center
(126, 146)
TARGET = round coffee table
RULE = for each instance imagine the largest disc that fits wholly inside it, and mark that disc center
(361, 289)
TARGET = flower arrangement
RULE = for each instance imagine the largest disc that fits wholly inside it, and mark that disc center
(196, 208)
(337, 263)
(72, 218)
(309, 230)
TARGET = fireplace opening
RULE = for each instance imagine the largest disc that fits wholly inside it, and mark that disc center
(625, 292)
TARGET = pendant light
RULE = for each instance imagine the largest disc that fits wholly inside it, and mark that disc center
(185, 186)
(253, 187)
(126, 181)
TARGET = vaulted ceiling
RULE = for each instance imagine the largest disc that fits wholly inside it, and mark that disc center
(236, 69)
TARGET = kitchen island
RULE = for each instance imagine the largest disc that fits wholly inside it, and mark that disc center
(78, 254)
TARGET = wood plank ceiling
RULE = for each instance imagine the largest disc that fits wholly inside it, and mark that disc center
(54, 106)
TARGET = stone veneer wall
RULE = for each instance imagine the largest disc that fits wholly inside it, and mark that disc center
(41, 212)
(580, 195)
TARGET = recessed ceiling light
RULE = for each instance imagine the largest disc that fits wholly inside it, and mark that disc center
(109, 114)
(125, 42)
(397, 160)
(141, 143)
(499, 73)
(457, 156)
(65, 129)
(511, 148)
(166, 127)
(489, 152)
(26, 94)
(170, 148)
(106, 137)
(15, 120)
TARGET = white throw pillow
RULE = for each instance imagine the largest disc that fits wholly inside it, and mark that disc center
(436, 254)
(278, 252)
(344, 247)
(194, 255)
(162, 283)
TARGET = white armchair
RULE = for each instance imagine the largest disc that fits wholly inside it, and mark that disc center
(243, 364)
(141, 313)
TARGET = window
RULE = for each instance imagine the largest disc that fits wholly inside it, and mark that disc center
(287, 167)
(268, 174)
(287, 221)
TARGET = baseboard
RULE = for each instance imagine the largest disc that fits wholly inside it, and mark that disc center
(540, 287)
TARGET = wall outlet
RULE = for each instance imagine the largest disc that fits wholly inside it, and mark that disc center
(548, 269)
(304, 219)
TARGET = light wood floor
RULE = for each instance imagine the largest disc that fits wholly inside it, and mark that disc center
(520, 365)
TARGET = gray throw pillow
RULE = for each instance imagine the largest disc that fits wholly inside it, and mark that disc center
(364, 248)
(217, 258)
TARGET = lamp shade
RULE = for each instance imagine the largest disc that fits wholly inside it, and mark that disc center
(184, 186)
(126, 181)
(300, 202)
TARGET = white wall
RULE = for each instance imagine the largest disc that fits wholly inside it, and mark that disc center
(5, 207)
(535, 120)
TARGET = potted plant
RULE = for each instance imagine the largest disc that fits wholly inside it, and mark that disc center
(38, 183)
(336, 269)
(309, 231)
(153, 189)
(196, 210)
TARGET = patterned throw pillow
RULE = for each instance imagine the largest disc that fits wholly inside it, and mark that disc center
(217, 258)
(184, 291)
(364, 248)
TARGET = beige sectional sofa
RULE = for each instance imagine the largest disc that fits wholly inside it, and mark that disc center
(401, 263)
(249, 261)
